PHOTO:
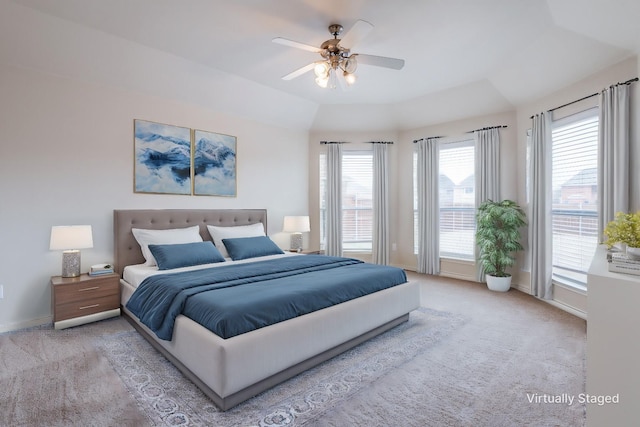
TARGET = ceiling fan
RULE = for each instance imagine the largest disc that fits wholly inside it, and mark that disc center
(338, 62)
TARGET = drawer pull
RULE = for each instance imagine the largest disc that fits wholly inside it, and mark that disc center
(89, 306)
(89, 289)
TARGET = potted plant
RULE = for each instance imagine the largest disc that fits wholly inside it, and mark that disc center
(625, 229)
(498, 237)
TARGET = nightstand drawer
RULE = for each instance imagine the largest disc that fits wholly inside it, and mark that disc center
(86, 290)
(86, 307)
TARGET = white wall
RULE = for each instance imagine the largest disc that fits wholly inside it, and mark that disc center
(571, 299)
(512, 166)
(66, 157)
(457, 129)
(401, 177)
(355, 141)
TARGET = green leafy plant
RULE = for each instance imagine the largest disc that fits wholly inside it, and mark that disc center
(625, 228)
(498, 235)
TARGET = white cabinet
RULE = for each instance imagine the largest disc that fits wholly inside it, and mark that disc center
(613, 345)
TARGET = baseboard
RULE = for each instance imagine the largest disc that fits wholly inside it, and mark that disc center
(522, 288)
(464, 277)
(571, 310)
(8, 327)
(405, 267)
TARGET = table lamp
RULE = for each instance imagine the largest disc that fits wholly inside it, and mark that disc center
(296, 225)
(70, 239)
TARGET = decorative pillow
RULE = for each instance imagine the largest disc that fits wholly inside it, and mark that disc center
(164, 237)
(185, 254)
(251, 247)
(219, 233)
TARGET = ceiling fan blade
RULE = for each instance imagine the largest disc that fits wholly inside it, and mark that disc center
(358, 32)
(300, 71)
(297, 45)
(380, 61)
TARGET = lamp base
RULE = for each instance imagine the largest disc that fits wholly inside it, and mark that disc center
(71, 263)
(296, 242)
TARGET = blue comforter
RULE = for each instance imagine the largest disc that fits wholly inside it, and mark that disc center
(232, 300)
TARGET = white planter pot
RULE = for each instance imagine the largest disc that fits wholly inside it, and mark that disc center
(499, 284)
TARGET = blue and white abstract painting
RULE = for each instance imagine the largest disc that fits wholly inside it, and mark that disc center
(214, 164)
(162, 158)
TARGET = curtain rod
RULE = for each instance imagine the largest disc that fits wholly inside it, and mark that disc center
(380, 142)
(430, 137)
(487, 128)
(333, 142)
(628, 82)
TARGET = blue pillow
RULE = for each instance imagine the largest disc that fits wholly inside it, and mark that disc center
(250, 247)
(185, 254)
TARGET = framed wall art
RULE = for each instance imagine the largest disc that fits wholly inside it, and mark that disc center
(162, 158)
(214, 164)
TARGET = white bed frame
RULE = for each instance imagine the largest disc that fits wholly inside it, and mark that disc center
(233, 370)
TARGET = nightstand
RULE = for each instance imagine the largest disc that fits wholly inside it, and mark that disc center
(84, 299)
(312, 252)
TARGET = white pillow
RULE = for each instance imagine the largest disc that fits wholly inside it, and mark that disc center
(219, 233)
(164, 237)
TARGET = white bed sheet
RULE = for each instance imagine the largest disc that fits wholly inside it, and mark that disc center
(135, 274)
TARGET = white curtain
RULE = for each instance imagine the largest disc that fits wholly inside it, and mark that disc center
(540, 206)
(487, 173)
(380, 204)
(428, 207)
(334, 200)
(613, 154)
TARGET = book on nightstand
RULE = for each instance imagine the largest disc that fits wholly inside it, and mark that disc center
(621, 263)
(99, 269)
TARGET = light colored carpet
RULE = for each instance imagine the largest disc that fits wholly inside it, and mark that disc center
(169, 399)
(471, 359)
(53, 378)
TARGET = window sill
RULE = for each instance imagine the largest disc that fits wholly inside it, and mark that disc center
(572, 286)
(458, 260)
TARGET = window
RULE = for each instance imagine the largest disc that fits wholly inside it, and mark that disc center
(415, 202)
(456, 191)
(357, 200)
(457, 200)
(574, 199)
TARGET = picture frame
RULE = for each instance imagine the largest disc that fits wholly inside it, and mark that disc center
(214, 164)
(162, 158)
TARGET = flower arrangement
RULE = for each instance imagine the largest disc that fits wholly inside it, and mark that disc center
(625, 228)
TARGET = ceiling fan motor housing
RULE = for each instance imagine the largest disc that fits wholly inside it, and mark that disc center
(335, 30)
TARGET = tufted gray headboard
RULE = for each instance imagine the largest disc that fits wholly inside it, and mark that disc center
(126, 248)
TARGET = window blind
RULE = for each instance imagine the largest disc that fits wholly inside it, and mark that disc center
(574, 199)
(357, 200)
(456, 191)
(456, 187)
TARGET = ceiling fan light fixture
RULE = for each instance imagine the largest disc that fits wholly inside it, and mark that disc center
(322, 69)
(350, 78)
(337, 56)
(350, 64)
(323, 82)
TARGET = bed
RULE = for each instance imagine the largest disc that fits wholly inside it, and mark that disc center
(235, 369)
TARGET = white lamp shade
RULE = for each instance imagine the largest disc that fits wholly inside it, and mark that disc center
(296, 224)
(66, 237)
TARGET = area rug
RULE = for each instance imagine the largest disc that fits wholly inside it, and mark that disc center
(60, 383)
(168, 398)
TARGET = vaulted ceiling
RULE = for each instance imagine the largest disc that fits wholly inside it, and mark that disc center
(463, 57)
